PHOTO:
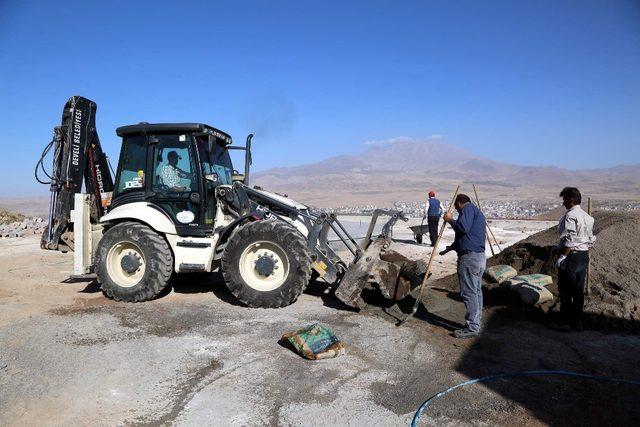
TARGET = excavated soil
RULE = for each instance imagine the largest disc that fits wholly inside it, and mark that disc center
(613, 302)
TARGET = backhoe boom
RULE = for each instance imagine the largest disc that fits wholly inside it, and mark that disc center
(77, 158)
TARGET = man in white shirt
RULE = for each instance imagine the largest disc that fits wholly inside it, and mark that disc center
(576, 238)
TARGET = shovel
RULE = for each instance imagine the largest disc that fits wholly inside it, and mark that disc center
(431, 257)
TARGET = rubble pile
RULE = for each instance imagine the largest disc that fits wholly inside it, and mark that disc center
(16, 225)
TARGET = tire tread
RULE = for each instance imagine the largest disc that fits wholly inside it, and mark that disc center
(159, 263)
(295, 245)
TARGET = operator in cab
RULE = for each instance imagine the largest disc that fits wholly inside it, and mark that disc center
(172, 174)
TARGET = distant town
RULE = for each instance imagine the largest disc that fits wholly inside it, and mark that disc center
(493, 209)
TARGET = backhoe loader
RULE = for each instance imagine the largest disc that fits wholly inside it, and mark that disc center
(175, 204)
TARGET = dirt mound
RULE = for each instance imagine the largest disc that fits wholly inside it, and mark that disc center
(614, 298)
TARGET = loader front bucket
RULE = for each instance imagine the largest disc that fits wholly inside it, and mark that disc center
(380, 266)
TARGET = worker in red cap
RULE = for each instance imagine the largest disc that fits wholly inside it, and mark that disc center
(432, 212)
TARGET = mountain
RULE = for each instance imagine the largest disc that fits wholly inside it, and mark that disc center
(405, 169)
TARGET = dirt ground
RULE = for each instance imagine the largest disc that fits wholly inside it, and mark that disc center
(70, 356)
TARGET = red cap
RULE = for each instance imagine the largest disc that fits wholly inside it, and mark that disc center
(432, 194)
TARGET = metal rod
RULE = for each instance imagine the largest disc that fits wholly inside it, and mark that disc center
(488, 227)
(367, 236)
(431, 257)
(52, 206)
(346, 233)
(340, 240)
(344, 240)
(247, 159)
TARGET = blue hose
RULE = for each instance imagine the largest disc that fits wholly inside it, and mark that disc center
(427, 402)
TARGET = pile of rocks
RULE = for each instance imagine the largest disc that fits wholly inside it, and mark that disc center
(28, 226)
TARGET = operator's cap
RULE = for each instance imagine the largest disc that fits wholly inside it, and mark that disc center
(432, 193)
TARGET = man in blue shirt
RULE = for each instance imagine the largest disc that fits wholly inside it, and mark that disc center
(432, 213)
(469, 244)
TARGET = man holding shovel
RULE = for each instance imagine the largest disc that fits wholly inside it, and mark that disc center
(469, 243)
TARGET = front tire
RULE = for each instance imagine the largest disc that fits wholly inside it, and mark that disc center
(133, 263)
(266, 264)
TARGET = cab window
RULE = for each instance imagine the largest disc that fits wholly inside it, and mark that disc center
(217, 163)
(174, 177)
(173, 166)
(133, 161)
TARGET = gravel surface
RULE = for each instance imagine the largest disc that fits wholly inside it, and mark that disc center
(70, 356)
(23, 228)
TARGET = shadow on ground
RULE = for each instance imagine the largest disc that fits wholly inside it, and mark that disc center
(512, 342)
(193, 283)
(92, 287)
(515, 338)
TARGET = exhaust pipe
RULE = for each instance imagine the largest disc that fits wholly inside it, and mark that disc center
(247, 159)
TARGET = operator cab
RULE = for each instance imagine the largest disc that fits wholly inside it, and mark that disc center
(175, 167)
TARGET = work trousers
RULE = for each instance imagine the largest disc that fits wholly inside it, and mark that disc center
(571, 278)
(433, 228)
(470, 269)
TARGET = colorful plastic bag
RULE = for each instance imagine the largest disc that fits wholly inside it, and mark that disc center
(315, 342)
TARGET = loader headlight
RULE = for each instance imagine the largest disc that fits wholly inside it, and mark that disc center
(213, 177)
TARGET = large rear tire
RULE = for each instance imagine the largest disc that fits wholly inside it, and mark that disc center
(266, 264)
(133, 263)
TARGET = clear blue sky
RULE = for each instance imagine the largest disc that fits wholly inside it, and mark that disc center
(527, 82)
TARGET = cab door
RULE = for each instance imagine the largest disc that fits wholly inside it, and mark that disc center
(175, 182)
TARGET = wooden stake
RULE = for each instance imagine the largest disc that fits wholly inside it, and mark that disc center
(434, 251)
(488, 227)
(486, 224)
